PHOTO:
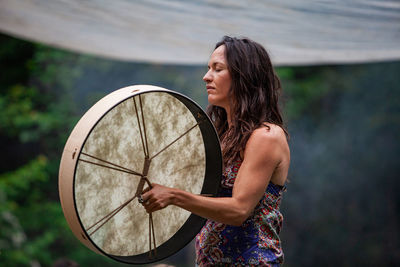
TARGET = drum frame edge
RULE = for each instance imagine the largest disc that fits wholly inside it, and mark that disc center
(74, 146)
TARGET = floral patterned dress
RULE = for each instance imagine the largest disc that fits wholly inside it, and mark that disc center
(255, 243)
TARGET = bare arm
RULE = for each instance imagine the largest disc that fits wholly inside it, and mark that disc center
(262, 155)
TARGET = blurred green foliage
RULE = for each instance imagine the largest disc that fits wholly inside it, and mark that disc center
(44, 92)
(341, 207)
(37, 114)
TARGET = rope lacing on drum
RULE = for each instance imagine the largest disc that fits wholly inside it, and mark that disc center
(104, 163)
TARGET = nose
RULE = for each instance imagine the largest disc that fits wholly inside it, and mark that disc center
(207, 77)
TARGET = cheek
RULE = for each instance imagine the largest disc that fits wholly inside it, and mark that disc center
(227, 83)
(226, 89)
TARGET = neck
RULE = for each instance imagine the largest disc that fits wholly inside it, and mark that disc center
(228, 116)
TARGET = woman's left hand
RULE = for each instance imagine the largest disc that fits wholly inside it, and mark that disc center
(157, 198)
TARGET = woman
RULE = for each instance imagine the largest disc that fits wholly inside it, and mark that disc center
(244, 220)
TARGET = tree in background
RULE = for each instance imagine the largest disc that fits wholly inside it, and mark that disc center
(37, 113)
(44, 92)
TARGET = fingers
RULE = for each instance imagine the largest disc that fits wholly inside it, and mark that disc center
(151, 206)
(145, 196)
(147, 201)
(140, 199)
(147, 189)
(154, 198)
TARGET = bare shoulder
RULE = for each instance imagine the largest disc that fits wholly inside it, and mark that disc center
(269, 134)
(268, 141)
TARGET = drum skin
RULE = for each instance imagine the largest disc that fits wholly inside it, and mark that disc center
(105, 154)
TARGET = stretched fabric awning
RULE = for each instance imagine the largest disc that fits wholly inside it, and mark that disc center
(296, 32)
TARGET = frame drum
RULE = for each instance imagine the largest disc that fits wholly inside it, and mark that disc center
(134, 136)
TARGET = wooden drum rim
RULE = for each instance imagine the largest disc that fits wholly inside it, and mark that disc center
(76, 142)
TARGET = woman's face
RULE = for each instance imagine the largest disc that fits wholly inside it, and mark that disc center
(218, 79)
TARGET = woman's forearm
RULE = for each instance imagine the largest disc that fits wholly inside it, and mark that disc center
(226, 210)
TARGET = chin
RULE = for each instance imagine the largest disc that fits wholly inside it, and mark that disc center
(216, 101)
(212, 101)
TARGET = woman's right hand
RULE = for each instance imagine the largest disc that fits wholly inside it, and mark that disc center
(157, 197)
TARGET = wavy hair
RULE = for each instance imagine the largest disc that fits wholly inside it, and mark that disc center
(254, 95)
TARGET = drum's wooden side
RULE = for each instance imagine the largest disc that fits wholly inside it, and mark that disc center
(73, 148)
(66, 183)
(70, 187)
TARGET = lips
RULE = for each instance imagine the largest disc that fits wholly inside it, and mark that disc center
(210, 91)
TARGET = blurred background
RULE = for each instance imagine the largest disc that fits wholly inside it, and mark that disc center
(342, 206)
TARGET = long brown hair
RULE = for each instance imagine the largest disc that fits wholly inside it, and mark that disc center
(253, 97)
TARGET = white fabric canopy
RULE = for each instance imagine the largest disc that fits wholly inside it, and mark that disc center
(296, 32)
